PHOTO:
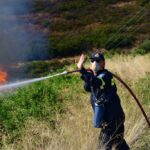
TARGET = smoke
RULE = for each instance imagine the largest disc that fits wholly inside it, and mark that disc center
(17, 42)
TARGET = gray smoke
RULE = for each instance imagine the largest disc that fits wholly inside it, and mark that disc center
(17, 42)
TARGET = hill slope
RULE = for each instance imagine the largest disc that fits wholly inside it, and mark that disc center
(74, 26)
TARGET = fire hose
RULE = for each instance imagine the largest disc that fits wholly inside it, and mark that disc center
(130, 91)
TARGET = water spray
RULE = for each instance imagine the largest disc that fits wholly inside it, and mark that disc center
(22, 83)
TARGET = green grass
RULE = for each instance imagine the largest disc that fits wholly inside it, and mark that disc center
(144, 48)
(40, 101)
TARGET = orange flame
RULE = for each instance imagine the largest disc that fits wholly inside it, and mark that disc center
(3, 77)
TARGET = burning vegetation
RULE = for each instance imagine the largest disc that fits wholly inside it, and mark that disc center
(3, 77)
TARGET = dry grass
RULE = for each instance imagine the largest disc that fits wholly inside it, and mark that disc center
(123, 4)
(130, 68)
(75, 130)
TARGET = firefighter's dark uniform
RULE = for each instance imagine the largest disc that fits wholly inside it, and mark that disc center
(108, 113)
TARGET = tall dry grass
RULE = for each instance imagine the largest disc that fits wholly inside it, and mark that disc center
(75, 130)
(129, 67)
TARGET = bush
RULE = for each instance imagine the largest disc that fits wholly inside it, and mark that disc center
(139, 51)
(144, 48)
(110, 1)
(67, 46)
(145, 45)
(143, 2)
(112, 52)
(39, 5)
(42, 68)
(72, 5)
(121, 40)
(38, 101)
(38, 68)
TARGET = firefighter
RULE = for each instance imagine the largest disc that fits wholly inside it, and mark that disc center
(108, 113)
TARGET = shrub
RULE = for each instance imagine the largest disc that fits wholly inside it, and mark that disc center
(143, 2)
(110, 1)
(144, 48)
(38, 101)
(139, 51)
(67, 46)
(70, 5)
(113, 52)
(36, 68)
(145, 45)
(42, 68)
(122, 40)
(60, 25)
(39, 5)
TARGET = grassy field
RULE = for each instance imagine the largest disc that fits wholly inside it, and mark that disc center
(56, 114)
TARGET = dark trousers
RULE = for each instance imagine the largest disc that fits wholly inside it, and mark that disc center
(113, 135)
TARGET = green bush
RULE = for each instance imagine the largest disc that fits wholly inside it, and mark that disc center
(40, 101)
(121, 40)
(61, 25)
(145, 45)
(39, 5)
(110, 1)
(139, 51)
(72, 5)
(144, 48)
(42, 68)
(37, 101)
(143, 2)
(67, 45)
(37, 68)
(112, 52)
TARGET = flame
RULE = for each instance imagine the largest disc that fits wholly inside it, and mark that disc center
(3, 77)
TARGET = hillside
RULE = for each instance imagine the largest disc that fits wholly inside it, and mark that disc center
(51, 114)
(74, 26)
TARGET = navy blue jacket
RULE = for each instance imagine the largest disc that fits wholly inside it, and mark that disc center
(102, 86)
